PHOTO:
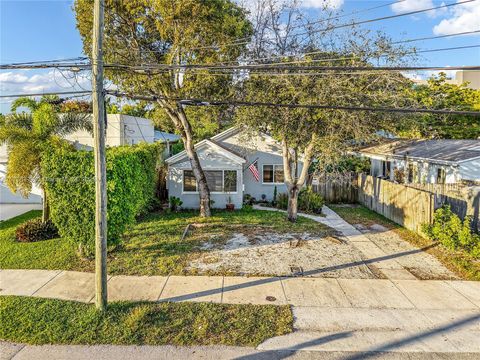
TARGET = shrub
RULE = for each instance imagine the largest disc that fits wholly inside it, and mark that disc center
(175, 203)
(451, 232)
(308, 201)
(248, 199)
(36, 230)
(70, 186)
(274, 201)
(282, 201)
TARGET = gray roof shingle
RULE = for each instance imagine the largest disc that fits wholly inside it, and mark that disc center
(440, 150)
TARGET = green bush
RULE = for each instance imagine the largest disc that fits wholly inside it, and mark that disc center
(36, 230)
(308, 201)
(70, 186)
(448, 229)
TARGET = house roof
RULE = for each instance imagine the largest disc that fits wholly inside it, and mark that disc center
(208, 143)
(165, 137)
(443, 150)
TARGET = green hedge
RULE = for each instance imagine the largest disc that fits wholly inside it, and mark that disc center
(70, 186)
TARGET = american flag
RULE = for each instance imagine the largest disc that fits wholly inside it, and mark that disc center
(254, 170)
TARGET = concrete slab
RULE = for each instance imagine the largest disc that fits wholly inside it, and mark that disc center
(433, 294)
(70, 285)
(444, 318)
(193, 288)
(349, 319)
(469, 289)
(314, 292)
(135, 288)
(364, 341)
(9, 350)
(24, 282)
(398, 274)
(374, 293)
(253, 290)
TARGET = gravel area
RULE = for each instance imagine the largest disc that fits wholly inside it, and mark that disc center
(269, 253)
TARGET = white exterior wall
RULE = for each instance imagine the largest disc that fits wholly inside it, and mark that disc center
(209, 160)
(267, 151)
(121, 130)
(427, 172)
(470, 170)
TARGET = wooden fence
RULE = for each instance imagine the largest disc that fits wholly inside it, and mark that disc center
(339, 189)
(409, 205)
(404, 205)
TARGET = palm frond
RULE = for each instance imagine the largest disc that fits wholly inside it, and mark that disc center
(22, 120)
(23, 167)
(11, 134)
(27, 102)
(72, 121)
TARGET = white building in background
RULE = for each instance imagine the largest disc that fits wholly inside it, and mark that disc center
(470, 76)
(426, 161)
(121, 130)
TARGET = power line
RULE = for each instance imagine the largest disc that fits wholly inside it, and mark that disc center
(352, 57)
(47, 65)
(46, 93)
(200, 102)
(437, 37)
(238, 42)
(291, 68)
(78, 58)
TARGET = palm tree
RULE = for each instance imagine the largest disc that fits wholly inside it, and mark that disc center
(29, 134)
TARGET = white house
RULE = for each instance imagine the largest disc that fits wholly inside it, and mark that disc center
(426, 161)
(226, 160)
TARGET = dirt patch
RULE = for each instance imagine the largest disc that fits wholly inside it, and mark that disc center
(418, 262)
(265, 252)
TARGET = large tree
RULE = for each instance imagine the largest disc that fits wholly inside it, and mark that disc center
(437, 93)
(29, 134)
(170, 32)
(284, 35)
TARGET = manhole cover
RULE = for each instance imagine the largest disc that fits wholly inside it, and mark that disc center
(296, 270)
(270, 298)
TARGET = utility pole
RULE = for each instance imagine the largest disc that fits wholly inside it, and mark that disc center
(99, 156)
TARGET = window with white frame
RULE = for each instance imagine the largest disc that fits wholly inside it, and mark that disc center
(217, 180)
(273, 174)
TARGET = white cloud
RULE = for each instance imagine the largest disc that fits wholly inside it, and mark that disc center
(406, 6)
(461, 18)
(320, 4)
(27, 82)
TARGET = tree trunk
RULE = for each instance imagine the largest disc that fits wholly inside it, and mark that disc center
(203, 191)
(179, 118)
(45, 208)
(292, 208)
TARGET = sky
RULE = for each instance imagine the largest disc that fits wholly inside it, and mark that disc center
(40, 30)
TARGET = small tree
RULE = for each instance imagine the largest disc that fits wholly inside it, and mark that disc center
(29, 134)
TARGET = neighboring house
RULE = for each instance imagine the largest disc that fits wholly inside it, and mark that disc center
(121, 130)
(472, 77)
(126, 130)
(225, 159)
(426, 161)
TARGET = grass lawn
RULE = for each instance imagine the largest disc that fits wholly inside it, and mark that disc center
(151, 247)
(46, 321)
(458, 262)
(48, 254)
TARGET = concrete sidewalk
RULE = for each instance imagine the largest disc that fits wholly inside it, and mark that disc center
(10, 351)
(331, 315)
(297, 291)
